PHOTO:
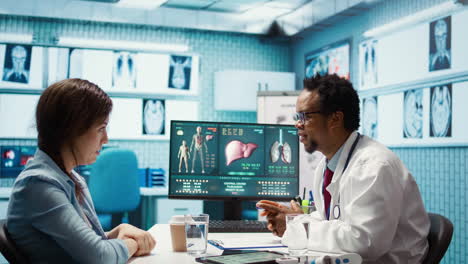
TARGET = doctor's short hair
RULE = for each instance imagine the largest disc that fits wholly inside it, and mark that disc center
(65, 111)
(336, 94)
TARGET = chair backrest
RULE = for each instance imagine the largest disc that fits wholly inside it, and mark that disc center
(8, 247)
(113, 183)
(439, 238)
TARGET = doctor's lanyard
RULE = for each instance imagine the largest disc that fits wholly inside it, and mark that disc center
(336, 208)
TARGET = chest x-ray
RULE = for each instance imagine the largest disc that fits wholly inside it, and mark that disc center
(441, 111)
(368, 63)
(153, 117)
(179, 72)
(124, 71)
(370, 117)
(17, 63)
(439, 46)
(413, 114)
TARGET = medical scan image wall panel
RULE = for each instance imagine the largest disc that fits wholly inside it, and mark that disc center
(282, 150)
(58, 64)
(21, 66)
(17, 115)
(370, 116)
(92, 65)
(196, 151)
(124, 70)
(153, 72)
(440, 39)
(413, 114)
(154, 117)
(441, 111)
(125, 121)
(238, 156)
(180, 71)
(331, 59)
(368, 63)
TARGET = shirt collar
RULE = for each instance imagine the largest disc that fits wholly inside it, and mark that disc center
(333, 162)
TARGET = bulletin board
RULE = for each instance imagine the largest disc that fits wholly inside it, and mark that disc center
(127, 121)
(413, 84)
(142, 85)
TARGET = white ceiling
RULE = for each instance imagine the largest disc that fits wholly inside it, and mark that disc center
(246, 16)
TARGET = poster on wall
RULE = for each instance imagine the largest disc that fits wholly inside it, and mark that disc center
(440, 41)
(413, 114)
(330, 59)
(370, 116)
(441, 111)
(179, 72)
(154, 117)
(17, 63)
(124, 70)
(368, 63)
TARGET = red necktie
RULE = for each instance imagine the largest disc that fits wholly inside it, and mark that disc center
(327, 178)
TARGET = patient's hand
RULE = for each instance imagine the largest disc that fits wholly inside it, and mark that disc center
(276, 215)
(144, 239)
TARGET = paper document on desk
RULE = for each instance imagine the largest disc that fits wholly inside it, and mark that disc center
(245, 243)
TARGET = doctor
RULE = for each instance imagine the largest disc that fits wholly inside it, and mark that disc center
(367, 201)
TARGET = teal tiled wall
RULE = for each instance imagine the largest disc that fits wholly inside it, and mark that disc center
(441, 176)
(440, 172)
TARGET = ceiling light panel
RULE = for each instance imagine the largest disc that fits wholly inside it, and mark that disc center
(140, 4)
(189, 4)
(264, 12)
(236, 6)
(286, 4)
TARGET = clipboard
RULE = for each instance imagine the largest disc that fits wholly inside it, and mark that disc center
(243, 243)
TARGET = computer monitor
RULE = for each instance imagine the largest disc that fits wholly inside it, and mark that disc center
(233, 162)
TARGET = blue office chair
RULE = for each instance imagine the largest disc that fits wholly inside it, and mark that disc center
(114, 185)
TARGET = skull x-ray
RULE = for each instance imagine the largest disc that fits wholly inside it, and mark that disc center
(154, 115)
(179, 72)
(17, 63)
(369, 117)
(413, 114)
(441, 111)
(368, 63)
(124, 71)
(439, 46)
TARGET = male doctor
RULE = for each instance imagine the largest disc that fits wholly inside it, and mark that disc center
(367, 201)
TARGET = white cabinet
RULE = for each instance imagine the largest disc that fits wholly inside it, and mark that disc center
(166, 208)
(237, 90)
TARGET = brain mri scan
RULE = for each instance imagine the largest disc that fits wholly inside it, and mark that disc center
(413, 114)
(441, 111)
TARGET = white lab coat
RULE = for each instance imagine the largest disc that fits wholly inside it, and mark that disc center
(381, 215)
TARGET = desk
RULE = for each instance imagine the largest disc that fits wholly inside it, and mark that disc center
(163, 253)
(5, 192)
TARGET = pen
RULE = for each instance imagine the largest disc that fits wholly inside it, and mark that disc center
(311, 198)
(303, 194)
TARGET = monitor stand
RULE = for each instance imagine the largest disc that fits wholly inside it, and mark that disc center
(233, 210)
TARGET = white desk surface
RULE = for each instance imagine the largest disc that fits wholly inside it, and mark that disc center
(163, 253)
(5, 192)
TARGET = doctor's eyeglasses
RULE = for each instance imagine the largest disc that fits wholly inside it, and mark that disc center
(302, 116)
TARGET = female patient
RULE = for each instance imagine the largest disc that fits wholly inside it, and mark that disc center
(51, 216)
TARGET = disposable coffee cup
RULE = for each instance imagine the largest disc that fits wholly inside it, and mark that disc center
(177, 226)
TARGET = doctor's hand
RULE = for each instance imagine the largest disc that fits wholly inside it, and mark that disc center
(276, 215)
(144, 240)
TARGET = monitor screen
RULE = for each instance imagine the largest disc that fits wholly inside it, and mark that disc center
(240, 161)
